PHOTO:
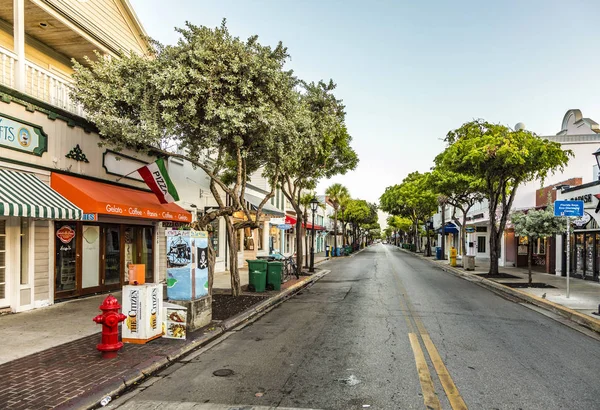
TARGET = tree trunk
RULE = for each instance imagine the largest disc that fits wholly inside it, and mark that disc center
(493, 250)
(211, 266)
(305, 232)
(236, 287)
(335, 233)
(529, 256)
(464, 233)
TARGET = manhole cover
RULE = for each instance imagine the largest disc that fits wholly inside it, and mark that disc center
(223, 372)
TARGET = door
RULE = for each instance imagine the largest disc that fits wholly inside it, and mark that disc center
(482, 245)
(3, 268)
(112, 255)
(90, 274)
(139, 249)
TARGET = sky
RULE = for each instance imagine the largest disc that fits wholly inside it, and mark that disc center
(410, 71)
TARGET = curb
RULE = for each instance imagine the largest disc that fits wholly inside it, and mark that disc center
(568, 313)
(91, 399)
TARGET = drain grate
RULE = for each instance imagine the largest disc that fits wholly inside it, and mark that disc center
(223, 372)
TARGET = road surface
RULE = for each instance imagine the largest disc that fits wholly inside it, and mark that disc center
(387, 330)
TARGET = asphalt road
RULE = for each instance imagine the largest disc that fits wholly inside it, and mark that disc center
(386, 330)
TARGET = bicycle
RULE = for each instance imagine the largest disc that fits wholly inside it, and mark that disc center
(289, 268)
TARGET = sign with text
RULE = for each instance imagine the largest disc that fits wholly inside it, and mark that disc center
(568, 208)
(22, 136)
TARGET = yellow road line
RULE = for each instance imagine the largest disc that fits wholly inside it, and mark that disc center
(450, 388)
(429, 397)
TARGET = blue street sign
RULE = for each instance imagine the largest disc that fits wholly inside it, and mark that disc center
(284, 226)
(568, 208)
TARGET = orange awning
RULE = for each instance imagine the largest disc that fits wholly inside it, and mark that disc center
(100, 198)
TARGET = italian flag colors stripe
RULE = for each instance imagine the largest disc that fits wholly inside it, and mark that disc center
(156, 177)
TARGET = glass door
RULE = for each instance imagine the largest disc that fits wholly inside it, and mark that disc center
(146, 254)
(90, 273)
(112, 255)
(65, 277)
(139, 249)
(3, 296)
(589, 256)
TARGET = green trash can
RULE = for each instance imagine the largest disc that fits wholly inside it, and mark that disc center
(274, 275)
(257, 275)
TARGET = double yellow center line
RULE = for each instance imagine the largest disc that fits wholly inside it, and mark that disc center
(417, 331)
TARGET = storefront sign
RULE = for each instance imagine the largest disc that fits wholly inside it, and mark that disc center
(284, 227)
(22, 136)
(583, 221)
(89, 217)
(585, 198)
(65, 234)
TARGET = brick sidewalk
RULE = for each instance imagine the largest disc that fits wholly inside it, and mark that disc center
(54, 376)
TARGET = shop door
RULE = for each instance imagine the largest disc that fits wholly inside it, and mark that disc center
(482, 245)
(112, 255)
(3, 274)
(90, 273)
(139, 249)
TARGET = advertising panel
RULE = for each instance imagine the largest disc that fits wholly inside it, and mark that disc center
(187, 264)
(142, 304)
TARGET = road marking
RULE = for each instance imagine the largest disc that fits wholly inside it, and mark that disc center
(450, 388)
(408, 311)
(429, 397)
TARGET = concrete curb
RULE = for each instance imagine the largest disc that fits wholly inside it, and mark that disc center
(91, 399)
(568, 313)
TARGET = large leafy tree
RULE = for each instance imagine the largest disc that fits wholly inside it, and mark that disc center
(502, 159)
(319, 147)
(337, 194)
(221, 100)
(461, 191)
(360, 213)
(534, 224)
(413, 199)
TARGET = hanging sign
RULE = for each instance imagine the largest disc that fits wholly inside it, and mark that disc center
(284, 227)
(22, 136)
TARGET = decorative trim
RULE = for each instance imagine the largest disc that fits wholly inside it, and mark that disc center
(77, 154)
(109, 151)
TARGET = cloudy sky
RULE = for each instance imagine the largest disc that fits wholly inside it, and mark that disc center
(411, 71)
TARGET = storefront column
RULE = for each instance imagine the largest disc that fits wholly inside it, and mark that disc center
(559, 254)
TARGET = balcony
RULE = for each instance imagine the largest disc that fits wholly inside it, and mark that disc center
(39, 83)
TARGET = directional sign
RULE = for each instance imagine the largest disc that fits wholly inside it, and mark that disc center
(568, 208)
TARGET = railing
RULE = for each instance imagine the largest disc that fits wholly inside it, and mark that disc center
(39, 83)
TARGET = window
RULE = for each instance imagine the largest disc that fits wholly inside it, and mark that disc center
(540, 246)
(260, 232)
(481, 229)
(25, 235)
(481, 244)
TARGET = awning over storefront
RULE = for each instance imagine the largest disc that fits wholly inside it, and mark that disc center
(106, 199)
(25, 195)
(450, 228)
(292, 221)
(267, 209)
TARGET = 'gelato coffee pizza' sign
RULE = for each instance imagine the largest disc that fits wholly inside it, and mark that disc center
(22, 136)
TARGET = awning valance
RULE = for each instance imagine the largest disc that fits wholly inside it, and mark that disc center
(292, 221)
(267, 209)
(25, 195)
(106, 199)
(450, 228)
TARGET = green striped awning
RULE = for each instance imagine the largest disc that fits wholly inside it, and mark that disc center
(25, 195)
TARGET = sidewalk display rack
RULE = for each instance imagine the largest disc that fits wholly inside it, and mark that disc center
(143, 306)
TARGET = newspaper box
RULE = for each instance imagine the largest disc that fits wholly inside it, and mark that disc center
(174, 321)
(142, 304)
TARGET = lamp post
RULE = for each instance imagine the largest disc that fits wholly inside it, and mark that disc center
(314, 203)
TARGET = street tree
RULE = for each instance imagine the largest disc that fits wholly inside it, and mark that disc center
(461, 191)
(219, 101)
(502, 159)
(360, 213)
(413, 198)
(337, 194)
(320, 147)
(534, 224)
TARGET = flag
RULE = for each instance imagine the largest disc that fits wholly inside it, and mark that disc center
(156, 177)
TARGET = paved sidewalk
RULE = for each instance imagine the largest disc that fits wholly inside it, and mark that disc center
(579, 307)
(52, 361)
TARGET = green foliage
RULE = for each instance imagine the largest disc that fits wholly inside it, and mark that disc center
(413, 198)
(337, 193)
(538, 223)
(399, 223)
(359, 212)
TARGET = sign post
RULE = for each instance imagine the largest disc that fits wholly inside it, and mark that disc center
(568, 209)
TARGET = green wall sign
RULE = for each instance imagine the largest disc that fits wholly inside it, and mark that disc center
(22, 136)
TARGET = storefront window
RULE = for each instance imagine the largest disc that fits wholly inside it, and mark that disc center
(24, 251)
(66, 257)
(579, 254)
(147, 238)
(589, 254)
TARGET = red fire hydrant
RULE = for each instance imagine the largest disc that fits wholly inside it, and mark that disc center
(110, 319)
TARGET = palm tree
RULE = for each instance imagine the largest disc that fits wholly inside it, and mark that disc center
(337, 194)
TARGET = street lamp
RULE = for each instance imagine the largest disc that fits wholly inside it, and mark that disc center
(314, 203)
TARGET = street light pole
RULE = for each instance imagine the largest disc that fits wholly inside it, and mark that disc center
(314, 203)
